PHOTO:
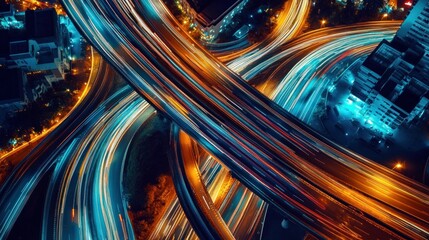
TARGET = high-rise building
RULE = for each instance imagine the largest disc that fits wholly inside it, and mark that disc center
(393, 82)
(42, 25)
(416, 26)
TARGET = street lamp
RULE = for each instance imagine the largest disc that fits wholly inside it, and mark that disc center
(384, 16)
(397, 166)
(323, 22)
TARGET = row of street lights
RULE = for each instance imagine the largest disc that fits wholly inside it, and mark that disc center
(323, 21)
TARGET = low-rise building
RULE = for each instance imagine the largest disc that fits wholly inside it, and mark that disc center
(37, 85)
(31, 44)
(12, 82)
(6, 10)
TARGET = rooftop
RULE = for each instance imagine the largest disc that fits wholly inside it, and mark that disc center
(381, 58)
(41, 24)
(11, 84)
(5, 8)
(407, 100)
(18, 47)
(10, 35)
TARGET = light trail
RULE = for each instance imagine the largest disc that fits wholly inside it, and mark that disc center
(85, 194)
(344, 40)
(216, 177)
(16, 191)
(191, 191)
(175, 225)
(304, 82)
(258, 134)
(288, 54)
(290, 23)
(198, 205)
(95, 62)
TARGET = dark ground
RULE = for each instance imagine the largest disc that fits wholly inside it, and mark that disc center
(147, 159)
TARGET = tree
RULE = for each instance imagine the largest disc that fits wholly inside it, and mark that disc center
(371, 9)
(322, 10)
(348, 13)
(327, 11)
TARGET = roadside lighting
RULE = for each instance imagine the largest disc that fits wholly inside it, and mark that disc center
(398, 166)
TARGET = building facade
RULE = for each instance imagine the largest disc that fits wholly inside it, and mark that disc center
(393, 82)
(415, 28)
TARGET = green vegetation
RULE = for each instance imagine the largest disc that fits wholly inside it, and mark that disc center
(147, 178)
